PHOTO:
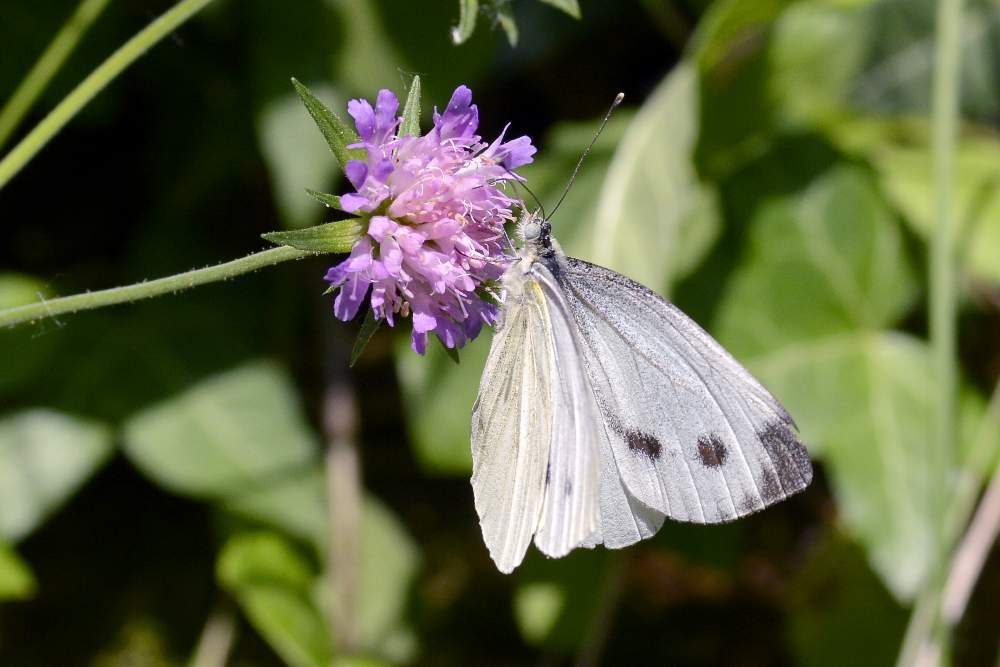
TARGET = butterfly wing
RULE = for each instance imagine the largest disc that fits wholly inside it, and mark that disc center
(534, 450)
(692, 434)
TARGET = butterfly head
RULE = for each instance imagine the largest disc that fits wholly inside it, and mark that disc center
(536, 232)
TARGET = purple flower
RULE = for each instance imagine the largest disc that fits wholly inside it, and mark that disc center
(435, 217)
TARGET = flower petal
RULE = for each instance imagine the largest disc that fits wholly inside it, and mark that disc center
(364, 117)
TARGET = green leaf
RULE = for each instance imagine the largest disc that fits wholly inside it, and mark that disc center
(368, 329)
(330, 201)
(900, 153)
(16, 580)
(826, 260)
(839, 610)
(239, 439)
(293, 157)
(410, 126)
(655, 221)
(555, 600)
(437, 401)
(505, 17)
(468, 11)
(45, 456)
(338, 134)
(284, 596)
(450, 351)
(571, 7)
(339, 236)
(273, 584)
(19, 290)
(389, 564)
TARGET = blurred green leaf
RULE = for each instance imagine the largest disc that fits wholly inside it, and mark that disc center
(273, 583)
(829, 259)
(437, 401)
(368, 329)
(294, 157)
(555, 600)
(338, 134)
(389, 562)
(899, 151)
(18, 290)
(505, 17)
(339, 236)
(468, 11)
(571, 7)
(330, 201)
(16, 580)
(654, 220)
(806, 84)
(730, 29)
(410, 125)
(839, 611)
(238, 438)
(45, 456)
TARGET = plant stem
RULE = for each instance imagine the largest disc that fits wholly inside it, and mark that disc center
(344, 497)
(47, 65)
(217, 637)
(926, 636)
(94, 83)
(89, 300)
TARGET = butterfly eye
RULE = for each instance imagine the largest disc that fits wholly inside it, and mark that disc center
(532, 231)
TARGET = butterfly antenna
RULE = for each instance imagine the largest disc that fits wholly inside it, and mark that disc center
(618, 100)
(519, 182)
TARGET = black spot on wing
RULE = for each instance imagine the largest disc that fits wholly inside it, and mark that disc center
(643, 443)
(789, 456)
(712, 451)
(747, 506)
(770, 487)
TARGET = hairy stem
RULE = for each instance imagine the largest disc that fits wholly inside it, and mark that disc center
(34, 312)
(94, 83)
(47, 65)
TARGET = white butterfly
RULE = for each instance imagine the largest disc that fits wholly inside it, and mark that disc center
(604, 409)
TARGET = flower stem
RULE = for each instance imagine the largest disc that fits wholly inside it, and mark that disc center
(927, 637)
(94, 83)
(47, 65)
(144, 290)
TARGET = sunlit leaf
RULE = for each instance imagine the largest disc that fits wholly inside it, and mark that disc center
(238, 438)
(338, 134)
(468, 10)
(44, 457)
(339, 236)
(655, 221)
(19, 290)
(410, 125)
(16, 580)
(273, 583)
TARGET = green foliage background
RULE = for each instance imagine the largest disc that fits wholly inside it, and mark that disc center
(161, 464)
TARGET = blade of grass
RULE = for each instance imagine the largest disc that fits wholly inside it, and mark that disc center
(48, 64)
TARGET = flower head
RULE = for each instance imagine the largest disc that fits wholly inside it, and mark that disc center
(435, 214)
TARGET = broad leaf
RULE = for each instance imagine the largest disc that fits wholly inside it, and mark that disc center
(45, 456)
(16, 580)
(654, 220)
(339, 236)
(273, 583)
(238, 438)
(338, 134)
(328, 200)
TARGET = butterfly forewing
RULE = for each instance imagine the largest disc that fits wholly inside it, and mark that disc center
(693, 434)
